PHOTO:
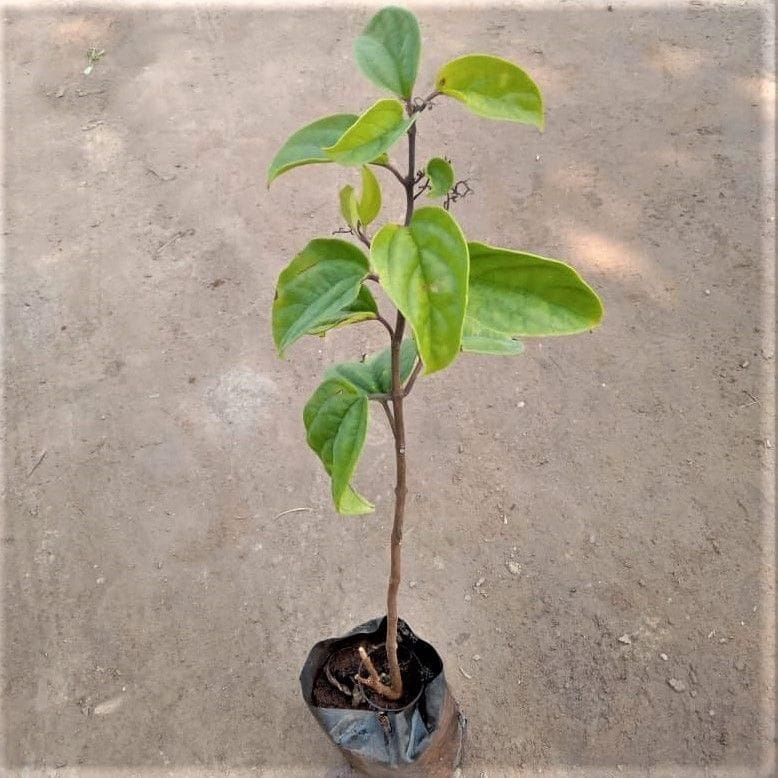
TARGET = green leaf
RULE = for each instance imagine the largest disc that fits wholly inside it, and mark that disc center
(372, 133)
(388, 50)
(492, 87)
(336, 422)
(441, 176)
(362, 309)
(520, 294)
(306, 146)
(348, 206)
(479, 340)
(316, 286)
(423, 268)
(374, 375)
(369, 205)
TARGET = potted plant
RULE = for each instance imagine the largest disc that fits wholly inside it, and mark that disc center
(380, 691)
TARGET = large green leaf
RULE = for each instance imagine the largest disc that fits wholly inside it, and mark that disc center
(388, 50)
(374, 375)
(520, 294)
(306, 146)
(362, 309)
(336, 422)
(369, 205)
(424, 268)
(441, 176)
(492, 87)
(480, 340)
(373, 133)
(322, 280)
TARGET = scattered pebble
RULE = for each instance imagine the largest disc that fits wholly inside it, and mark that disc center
(707, 292)
(626, 639)
(664, 657)
(520, 404)
(513, 567)
(676, 685)
(466, 674)
(476, 657)
(744, 364)
(468, 598)
(479, 583)
(711, 713)
(412, 584)
(100, 580)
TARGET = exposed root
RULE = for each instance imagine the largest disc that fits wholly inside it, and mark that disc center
(373, 680)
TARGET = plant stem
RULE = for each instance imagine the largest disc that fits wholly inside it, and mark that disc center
(400, 489)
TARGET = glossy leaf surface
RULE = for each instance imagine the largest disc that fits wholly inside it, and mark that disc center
(306, 146)
(492, 87)
(388, 50)
(322, 280)
(520, 294)
(423, 268)
(372, 134)
(336, 422)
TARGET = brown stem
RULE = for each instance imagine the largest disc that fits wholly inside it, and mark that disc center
(400, 489)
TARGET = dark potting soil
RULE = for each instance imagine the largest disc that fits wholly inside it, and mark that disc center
(344, 664)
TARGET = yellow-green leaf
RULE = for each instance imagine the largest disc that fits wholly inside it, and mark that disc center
(306, 146)
(336, 423)
(492, 87)
(348, 206)
(423, 268)
(388, 50)
(524, 295)
(369, 205)
(373, 133)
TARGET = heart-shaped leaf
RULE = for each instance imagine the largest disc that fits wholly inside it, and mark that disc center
(374, 375)
(388, 50)
(492, 87)
(423, 268)
(524, 295)
(336, 422)
(306, 146)
(372, 134)
(441, 176)
(322, 280)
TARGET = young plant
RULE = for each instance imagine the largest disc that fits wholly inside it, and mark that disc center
(451, 295)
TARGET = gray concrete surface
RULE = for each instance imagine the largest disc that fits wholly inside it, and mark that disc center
(158, 605)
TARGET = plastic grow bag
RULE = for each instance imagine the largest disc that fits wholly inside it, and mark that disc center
(425, 738)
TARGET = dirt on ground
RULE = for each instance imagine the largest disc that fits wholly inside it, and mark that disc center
(589, 535)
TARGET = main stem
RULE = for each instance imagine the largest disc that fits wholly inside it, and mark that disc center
(400, 489)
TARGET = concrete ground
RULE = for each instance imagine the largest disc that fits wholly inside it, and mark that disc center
(169, 548)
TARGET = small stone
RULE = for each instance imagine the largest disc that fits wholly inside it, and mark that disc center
(626, 639)
(468, 598)
(707, 292)
(514, 567)
(744, 364)
(692, 693)
(664, 657)
(100, 580)
(676, 685)
(520, 404)
(711, 713)
(412, 584)
(592, 539)
(480, 582)
(476, 657)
